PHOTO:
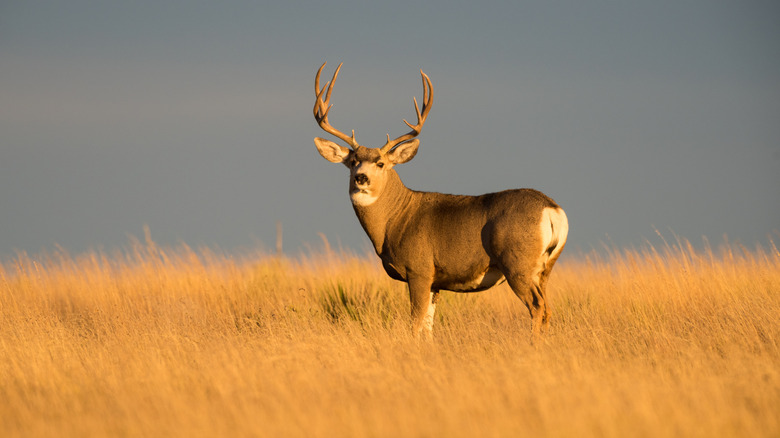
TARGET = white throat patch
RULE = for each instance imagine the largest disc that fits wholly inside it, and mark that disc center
(362, 199)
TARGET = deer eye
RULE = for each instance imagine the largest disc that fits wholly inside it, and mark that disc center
(380, 164)
(354, 162)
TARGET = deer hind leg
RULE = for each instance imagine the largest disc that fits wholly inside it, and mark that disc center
(423, 300)
(530, 291)
(559, 231)
(543, 277)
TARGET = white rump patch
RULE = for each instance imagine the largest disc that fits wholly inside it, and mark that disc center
(554, 230)
(362, 199)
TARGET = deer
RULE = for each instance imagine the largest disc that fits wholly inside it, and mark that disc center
(435, 241)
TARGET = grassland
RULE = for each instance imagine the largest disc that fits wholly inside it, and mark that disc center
(151, 341)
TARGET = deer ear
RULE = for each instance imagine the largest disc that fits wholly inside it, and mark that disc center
(404, 152)
(331, 151)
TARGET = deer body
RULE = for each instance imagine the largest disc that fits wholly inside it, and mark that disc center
(434, 241)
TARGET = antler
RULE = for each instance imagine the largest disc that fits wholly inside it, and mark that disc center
(427, 104)
(321, 107)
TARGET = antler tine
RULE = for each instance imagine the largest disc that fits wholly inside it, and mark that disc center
(322, 107)
(421, 116)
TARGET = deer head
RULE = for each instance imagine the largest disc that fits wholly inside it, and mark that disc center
(368, 167)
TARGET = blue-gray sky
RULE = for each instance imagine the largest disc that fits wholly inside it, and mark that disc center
(194, 117)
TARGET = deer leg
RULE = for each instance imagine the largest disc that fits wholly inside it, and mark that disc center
(543, 277)
(428, 319)
(423, 301)
(543, 292)
(529, 291)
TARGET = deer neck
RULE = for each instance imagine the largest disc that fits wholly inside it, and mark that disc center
(379, 217)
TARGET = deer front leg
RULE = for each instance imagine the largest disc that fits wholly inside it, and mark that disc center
(423, 301)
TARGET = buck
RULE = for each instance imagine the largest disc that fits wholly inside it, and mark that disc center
(434, 241)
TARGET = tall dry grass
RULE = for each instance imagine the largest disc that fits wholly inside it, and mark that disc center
(153, 341)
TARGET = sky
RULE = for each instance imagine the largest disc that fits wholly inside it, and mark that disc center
(194, 118)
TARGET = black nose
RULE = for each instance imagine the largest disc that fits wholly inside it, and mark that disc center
(361, 178)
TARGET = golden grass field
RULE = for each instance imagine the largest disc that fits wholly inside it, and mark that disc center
(151, 341)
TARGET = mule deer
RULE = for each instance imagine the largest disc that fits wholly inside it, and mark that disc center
(434, 241)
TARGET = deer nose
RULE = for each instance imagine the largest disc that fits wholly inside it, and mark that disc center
(361, 178)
